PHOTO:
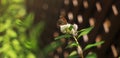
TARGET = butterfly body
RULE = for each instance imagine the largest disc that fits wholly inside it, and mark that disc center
(62, 21)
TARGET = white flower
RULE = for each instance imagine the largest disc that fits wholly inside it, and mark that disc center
(75, 28)
(69, 29)
(63, 28)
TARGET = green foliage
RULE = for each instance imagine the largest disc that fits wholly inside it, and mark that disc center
(84, 31)
(30, 55)
(91, 55)
(63, 36)
(93, 45)
(73, 44)
(52, 46)
(73, 54)
(18, 37)
(71, 27)
(29, 20)
(34, 34)
(3, 2)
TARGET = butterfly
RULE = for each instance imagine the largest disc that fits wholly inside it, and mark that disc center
(62, 21)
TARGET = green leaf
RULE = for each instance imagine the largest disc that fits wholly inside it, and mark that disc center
(73, 54)
(74, 44)
(16, 45)
(6, 25)
(37, 30)
(91, 55)
(93, 45)
(18, 22)
(28, 44)
(84, 31)
(11, 53)
(29, 20)
(30, 55)
(51, 47)
(11, 33)
(4, 48)
(63, 36)
(34, 34)
(71, 27)
(21, 13)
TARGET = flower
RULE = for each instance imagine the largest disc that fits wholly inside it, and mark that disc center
(69, 29)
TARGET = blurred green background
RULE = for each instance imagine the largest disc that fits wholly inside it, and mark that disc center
(21, 31)
(18, 34)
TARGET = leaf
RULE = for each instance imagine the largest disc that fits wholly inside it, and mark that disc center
(34, 34)
(63, 36)
(91, 55)
(74, 44)
(93, 45)
(16, 45)
(37, 30)
(18, 22)
(29, 20)
(30, 55)
(21, 13)
(71, 27)
(73, 54)
(84, 31)
(28, 44)
(51, 47)
(11, 33)
(11, 53)
(5, 25)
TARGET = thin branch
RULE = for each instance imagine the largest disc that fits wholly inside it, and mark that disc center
(79, 48)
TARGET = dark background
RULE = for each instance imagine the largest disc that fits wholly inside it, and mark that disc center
(50, 10)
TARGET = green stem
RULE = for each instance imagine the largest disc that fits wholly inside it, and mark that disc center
(79, 48)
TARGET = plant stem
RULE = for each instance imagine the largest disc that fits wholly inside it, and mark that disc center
(79, 48)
